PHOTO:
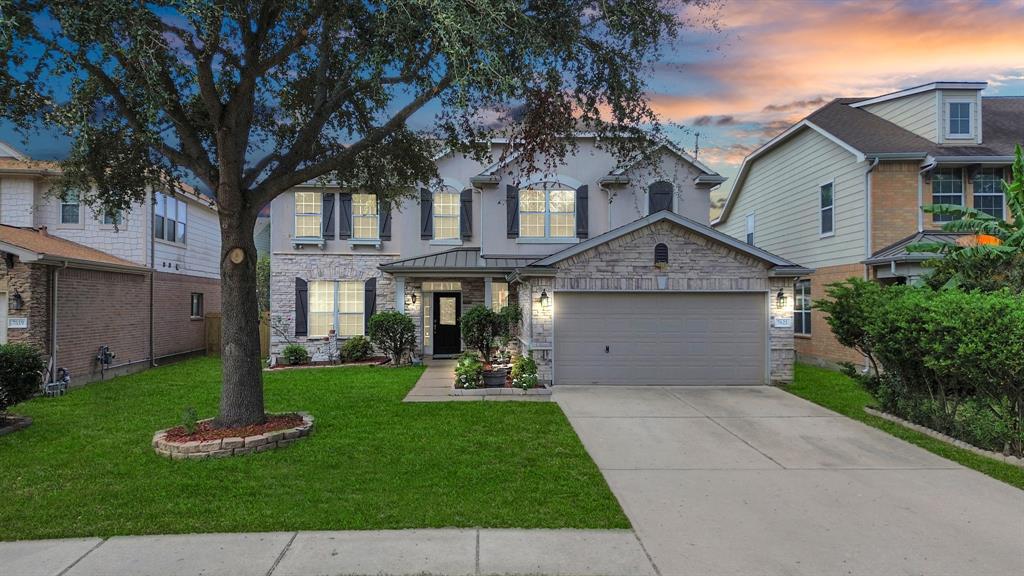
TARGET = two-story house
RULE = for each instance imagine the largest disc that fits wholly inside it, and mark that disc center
(72, 281)
(620, 278)
(841, 191)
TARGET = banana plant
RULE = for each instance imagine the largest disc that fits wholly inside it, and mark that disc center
(1008, 233)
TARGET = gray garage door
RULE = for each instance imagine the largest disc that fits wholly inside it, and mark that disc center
(681, 339)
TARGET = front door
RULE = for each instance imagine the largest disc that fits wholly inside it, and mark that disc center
(447, 311)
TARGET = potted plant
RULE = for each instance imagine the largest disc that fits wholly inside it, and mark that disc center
(481, 328)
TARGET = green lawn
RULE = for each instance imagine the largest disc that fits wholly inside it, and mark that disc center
(841, 394)
(85, 466)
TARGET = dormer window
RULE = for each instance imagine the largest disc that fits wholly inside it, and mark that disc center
(959, 119)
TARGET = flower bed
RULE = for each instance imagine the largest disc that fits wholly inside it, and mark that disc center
(12, 423)
(375, 361)
(279, 431)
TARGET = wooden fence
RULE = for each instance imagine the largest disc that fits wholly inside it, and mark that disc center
(213, 344)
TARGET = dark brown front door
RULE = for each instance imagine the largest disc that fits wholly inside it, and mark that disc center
(447, 311)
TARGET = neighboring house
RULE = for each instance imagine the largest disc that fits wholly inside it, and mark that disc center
(619, 277)
(261, 232)
(841, 191)
(72, 281)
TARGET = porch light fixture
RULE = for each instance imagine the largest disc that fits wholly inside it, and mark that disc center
(412, 298)
(780, 299)
(17, 302)
(543, 297)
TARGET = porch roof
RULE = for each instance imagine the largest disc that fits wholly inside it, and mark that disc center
(458, 260)
(35, 245)
(897, 252)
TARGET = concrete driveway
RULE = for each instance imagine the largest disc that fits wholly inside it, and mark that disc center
(758, 481)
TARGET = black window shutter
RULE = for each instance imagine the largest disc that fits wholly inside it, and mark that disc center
(426, 214)
(327, 217)
(512, 211)
(301, 306)
(659, 197)
(466, 213)
(582, 212)
(344, 216)
(385, 221)
(369, 300)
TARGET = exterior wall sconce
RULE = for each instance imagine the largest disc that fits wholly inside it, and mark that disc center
(543, 297)
(17, 301)
(780, 299)
(412, 298)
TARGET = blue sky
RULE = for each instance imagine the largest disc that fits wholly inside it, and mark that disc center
(771, 62)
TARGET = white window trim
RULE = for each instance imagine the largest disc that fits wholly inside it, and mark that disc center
(963, 193)
(191, 304)
(821, 208)
(547, 238)
(319, 212)
(375, 239)
(60, 214)
(751, 228)
(1002, 196)
(177, 238)
(947, 116)
(457, 241)
(336, 313)
(796, 310)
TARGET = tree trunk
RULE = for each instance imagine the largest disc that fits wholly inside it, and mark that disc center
(241, 399)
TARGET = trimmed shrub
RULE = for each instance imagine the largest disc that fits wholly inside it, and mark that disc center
(295, 354)
(481, 328)
(356, 348)
(524, 372)
(848, 308)
(21, 368)
(469, 371)
(394, 333)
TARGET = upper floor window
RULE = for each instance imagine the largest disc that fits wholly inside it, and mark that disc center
(70, 209)
(826, 193)
(308, 214)
(802, 307)
(660, 196)
(958, 120)
(446, 214)
(111, 218)
(169, 218)
(988, 192)
(750, 229)
(365, 217)
(947, 188)
(548, 212)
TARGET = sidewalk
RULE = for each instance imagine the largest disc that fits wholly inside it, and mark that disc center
(448, 552)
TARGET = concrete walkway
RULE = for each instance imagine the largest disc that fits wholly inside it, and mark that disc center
(447, 552)
(757, 481)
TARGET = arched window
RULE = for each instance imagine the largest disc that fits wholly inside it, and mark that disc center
(661, 254)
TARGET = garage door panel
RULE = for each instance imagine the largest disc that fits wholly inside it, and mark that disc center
(660, 339)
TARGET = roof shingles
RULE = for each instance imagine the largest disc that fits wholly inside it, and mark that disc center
(50, 247)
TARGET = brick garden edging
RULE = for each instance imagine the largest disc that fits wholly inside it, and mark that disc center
(235, 446)
(1012, 460)
(539, 391)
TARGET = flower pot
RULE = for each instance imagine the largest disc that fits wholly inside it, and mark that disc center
(495, 378)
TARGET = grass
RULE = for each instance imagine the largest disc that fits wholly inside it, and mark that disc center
(85, 466)
(843, 395)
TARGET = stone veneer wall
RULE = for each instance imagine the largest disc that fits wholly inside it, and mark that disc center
(33, 283)
(626, 264)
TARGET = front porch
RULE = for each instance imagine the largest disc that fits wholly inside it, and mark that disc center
(435, 385)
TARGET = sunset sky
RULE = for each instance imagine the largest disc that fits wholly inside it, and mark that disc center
(771, 62)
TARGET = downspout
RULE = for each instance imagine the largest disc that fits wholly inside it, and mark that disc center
(148, 231)
(54, 278)
(867, 231)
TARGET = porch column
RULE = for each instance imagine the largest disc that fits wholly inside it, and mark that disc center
(487, 292)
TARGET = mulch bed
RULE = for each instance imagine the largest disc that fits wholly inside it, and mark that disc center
(13, 423)
(206, 431)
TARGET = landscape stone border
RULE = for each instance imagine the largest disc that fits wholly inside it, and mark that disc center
(13, 423)
(1012, 460)
(232, 446)
(541, 391)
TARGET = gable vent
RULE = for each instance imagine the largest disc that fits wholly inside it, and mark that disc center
(661, 254)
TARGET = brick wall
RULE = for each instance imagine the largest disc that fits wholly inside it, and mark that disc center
(32, 282)
(175, 331)
(97, 308)
(821, 346)
(894, 205)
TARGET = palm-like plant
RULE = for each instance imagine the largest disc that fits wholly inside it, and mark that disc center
(1009, 234)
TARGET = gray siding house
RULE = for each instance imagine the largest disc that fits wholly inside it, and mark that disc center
(619, 276)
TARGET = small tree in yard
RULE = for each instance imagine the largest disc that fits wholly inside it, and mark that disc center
(848, 311)
(20, 374)
(481, 328)
(251, 98)
(394, 333)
